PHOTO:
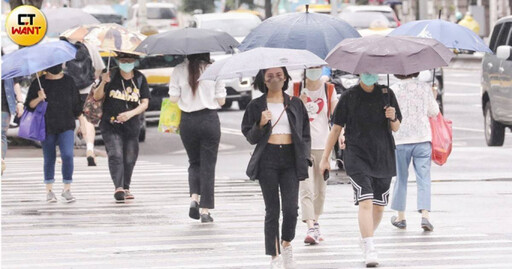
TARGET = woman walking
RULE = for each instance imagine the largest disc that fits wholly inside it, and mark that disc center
(320, 100)
(126, 96)
(279, 126)
(369, 113)
(64, 107)
(199, 129)
(413, 141)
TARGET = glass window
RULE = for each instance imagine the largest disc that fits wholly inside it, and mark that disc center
(503, 35)
(160, 13)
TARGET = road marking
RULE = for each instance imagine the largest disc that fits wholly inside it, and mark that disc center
(231, 131)
(468, 84)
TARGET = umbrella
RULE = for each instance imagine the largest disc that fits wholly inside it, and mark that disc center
(30, 60)
(188, 41)
(316, 32)
(247, 64)
(62, 19)
(452, 35)
(388, 55)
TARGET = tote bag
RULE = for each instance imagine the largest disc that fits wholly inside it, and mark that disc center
(170, 117)
(32, 123)
(441, 138)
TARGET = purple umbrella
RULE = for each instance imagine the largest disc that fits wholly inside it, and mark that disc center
(388, 55)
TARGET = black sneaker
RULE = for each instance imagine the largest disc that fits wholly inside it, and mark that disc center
(205, 218)
(426, 225)
(119, 196)
(399, 224)
(193, 212)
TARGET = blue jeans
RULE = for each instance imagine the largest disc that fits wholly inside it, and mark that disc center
(66, 142)
(6, 118)
(420, 153)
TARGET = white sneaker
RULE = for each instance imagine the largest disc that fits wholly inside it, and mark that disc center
(277, 263)
(371, 258)
(287, 255)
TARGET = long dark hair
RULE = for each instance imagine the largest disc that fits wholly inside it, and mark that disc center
(259, 81)
(196, 63)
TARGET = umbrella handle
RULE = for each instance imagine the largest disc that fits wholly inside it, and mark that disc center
(108, 63)
(39, 81)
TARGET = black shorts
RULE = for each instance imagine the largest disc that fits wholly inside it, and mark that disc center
(367, 187)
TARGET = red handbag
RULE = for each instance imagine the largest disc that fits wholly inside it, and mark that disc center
(441, 138)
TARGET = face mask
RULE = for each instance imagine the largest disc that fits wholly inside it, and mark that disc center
(314, 74)
(126, 67)
(369, 79)
(55, 70)
(275, 84)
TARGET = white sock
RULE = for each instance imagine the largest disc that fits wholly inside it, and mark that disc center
(90, 146)
(368, 243)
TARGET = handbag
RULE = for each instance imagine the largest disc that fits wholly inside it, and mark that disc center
(441, 138)
(170, 117)
(32, 123)
(93, 109)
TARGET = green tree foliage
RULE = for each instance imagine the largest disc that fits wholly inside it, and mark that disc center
(206, 6)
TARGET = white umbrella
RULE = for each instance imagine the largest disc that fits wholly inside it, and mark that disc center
(247, 64)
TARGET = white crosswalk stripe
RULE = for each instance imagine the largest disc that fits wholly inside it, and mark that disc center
(154, 231)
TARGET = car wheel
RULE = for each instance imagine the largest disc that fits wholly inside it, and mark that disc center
(494, 131)
(228, 104)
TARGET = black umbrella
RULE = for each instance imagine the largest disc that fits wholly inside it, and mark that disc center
(188, 41)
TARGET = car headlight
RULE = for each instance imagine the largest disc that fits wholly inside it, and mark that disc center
(349, 81)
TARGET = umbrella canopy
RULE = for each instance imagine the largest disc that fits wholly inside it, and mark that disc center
(62, 19)
(315, 32)
(30, 60)
(247, 64)
(388, 55)
(188, 41)
(452, 35)
(108, 37)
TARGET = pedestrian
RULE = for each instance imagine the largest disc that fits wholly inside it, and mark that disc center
(63, 99)
(413, 142)
(126, 96)
(199, 129)
(368, 112)
(85, 69)
(279, 126)
(320, 100)
(12, 103)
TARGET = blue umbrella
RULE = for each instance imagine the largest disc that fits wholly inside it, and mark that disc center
(315, 32)
(452, 35)
(30, 60)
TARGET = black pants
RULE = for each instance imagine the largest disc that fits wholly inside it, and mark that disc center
(200, 134)
(277, 172)
(122, 150)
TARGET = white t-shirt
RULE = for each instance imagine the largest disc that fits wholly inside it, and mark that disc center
(206, 94)
(317, 109)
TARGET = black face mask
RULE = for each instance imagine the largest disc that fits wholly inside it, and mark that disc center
(55, 70)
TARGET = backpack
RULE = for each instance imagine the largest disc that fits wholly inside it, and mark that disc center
(81, 68)
(329, 91)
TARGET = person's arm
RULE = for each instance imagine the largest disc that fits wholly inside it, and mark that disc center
(19, 99)
(77, 103)
(174, 86)
(35, 95)
(393, 112)
(334, 134)
(433, 106)
(220, 92)
(99, 92)
(306, 134)
(253, 128)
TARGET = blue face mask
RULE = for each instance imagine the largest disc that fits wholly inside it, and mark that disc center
(126, 67)
(369, 79)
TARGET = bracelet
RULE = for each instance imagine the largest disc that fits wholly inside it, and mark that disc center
(395, 119)
(20, 102)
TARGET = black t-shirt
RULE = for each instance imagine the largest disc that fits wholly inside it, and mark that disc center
(63, 103)
(122, 95)
(369, 142)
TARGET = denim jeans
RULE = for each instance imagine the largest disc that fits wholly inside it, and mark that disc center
(66, 143)
(420, 153)
(6, 118)
(122, 150)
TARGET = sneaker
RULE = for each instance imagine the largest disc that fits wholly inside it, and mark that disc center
(91, 159)
(50, 197)
(318, 234)
(399, 224)
(277, 263)
(119, 196)
(311, 237)
(205, 218)
(426, 225)
(68, 196)
(128, 195)
(193, 211)
(371, 258)
(288, 261)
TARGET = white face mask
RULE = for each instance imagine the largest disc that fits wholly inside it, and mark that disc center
(314, 74)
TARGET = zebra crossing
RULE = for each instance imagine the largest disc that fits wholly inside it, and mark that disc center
(154, 231)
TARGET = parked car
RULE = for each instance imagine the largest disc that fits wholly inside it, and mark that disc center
(497, 83)
(104, 13)
(163, 16)
(237, 25)
(387, 11)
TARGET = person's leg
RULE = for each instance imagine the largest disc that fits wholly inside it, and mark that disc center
(306, 189)
(365, 216)
(189, 135)
(90, 133)
(289, 186)
(114, 147)
(403, 159)
(6, 118)
(209, 147)
(320, 189)
(422, 162)
(49, 155)
(268, 180)
(66, 141)
(131, 153)
(381, 196)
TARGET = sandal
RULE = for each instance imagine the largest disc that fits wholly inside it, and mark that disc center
(399, 224)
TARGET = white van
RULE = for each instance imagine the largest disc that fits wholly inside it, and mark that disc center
(163, 16)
